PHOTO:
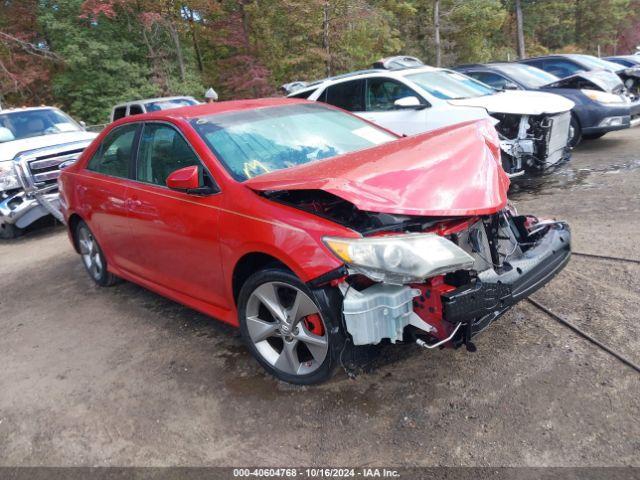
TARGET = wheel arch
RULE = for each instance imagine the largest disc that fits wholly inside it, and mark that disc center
(72, 222)
(250, 263)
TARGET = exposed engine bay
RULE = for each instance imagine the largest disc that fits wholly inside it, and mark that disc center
(510, 256)
(533, 142)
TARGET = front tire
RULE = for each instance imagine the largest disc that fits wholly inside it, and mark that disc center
(576, 132)
(9, 231)
(290, 331)
(93, 258)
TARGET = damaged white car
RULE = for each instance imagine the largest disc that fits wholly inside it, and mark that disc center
(533, 126)
(35, 143)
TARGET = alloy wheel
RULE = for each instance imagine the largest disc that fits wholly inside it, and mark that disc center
(286, 328)
(90, 253)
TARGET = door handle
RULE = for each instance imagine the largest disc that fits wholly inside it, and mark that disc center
(132, 203)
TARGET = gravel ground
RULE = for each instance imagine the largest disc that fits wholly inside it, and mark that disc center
(121, 376)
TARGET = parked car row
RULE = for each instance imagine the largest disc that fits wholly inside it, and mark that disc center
(416, 98)
(310, 228)
(404, 95)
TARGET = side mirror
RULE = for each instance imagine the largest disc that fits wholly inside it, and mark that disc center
(409, 103)
(83, 124)
(510, 86)
(188, 180)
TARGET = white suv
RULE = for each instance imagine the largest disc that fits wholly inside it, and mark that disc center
(533, 126)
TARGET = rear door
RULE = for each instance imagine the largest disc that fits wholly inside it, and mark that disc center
(347, 95)
(174, 234)
(102, 193)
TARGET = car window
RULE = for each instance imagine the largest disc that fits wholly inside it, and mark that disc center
(249, 143)
(561, 68)
(492, 79)
(23, 124)
(119, 113)
(527, 75)
(135, 109)
(162, 150)
(381, 93)
(449, 85)
(168, 104)
(597, 63)
(347, 95)
(114, 154)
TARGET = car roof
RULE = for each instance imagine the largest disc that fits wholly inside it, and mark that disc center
(395, 73)
(206, 109)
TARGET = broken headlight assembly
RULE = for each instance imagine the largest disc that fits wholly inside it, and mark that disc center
(8, 176)
(400, 259)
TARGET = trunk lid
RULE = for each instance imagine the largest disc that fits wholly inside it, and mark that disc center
(454, 171)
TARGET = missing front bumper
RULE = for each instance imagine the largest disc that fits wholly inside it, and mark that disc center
(479, 304)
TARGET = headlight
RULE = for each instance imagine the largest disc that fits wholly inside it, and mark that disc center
(604, 97)
(400, 258)
(8, 176)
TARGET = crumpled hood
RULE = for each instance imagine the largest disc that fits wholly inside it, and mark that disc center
(601, 79)
(452, 171)
(8, 150)
(518, 102)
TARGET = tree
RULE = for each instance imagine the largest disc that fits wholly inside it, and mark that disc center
(520, 30)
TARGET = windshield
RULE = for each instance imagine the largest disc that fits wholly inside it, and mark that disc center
(595, 62)
(449, 85)
(34, 123)
(253, 142)
(167, 104)
(530, 77)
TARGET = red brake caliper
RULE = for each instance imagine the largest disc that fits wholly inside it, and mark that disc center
(313, 323)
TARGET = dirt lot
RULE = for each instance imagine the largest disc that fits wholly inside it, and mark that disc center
(121, 376)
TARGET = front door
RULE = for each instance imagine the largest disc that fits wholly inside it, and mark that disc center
(380, 96)
(174, 234)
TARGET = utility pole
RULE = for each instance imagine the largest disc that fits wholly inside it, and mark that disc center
(436, 32)
(520, 30)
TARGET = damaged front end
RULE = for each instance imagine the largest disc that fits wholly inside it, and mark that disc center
(533, 142)
(441, 281)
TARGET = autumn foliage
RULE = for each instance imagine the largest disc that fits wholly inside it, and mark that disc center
(87, 55)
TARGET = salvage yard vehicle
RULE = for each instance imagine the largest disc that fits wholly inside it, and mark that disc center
(568, 65)
(596, 111)
(533, 126)
(34, 144)
(310, 229)
(139, 107)
(625, 60)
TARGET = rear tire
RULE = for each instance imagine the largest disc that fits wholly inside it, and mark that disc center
(289, 329)
(93, 258)
(9, 231)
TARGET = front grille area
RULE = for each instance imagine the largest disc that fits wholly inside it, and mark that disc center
(39, 169)
(45, 170)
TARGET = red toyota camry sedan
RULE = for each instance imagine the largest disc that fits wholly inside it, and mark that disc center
(310, 229)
